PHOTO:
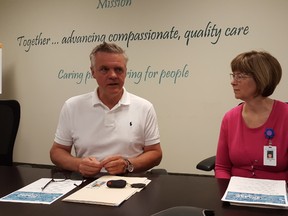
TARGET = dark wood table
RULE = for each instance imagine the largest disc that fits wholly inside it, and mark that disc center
(163, 192)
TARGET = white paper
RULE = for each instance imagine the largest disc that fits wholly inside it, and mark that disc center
(98, 193)
(33, 193)
(256, 191)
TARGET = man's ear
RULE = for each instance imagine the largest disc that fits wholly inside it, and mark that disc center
(92, 72)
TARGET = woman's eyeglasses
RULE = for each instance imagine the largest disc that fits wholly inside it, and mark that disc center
(61, 177)
(238, 76)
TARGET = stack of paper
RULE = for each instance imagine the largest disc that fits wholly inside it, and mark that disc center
(256, 192)
(98, 193)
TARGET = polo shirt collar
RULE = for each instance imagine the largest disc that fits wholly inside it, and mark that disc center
(125, 99)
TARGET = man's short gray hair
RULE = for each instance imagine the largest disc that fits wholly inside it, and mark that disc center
(108, 48)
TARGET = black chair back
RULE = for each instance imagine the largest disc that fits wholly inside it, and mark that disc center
(9, 124)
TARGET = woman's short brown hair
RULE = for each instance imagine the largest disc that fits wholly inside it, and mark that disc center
(263, 67)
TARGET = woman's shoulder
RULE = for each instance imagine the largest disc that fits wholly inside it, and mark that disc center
(235, 110)
(281, 102)
(281, 106)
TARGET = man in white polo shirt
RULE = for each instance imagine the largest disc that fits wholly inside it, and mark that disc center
(109, 128)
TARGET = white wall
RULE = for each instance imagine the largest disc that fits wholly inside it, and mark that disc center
(189, 108)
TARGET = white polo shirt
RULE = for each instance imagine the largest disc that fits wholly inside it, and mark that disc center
(95, 130)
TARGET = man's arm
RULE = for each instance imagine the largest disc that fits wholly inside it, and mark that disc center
(151, 157)
(61, 156)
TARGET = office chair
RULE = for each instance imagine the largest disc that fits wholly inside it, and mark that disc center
(184, 211)
(158, 171)
(9, 124)
(207, 164)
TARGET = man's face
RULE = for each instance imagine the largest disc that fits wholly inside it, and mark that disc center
(109, 71)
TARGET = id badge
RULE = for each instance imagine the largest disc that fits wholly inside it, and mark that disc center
(270, 157)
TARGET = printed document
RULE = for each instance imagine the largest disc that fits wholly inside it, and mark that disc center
(33, 193)
(256, 192)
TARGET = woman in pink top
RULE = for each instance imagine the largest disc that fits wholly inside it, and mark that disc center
(253, 139)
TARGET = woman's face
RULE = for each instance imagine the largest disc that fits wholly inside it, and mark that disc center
(244, 86)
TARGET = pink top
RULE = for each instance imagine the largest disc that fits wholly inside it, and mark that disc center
(241, 149)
